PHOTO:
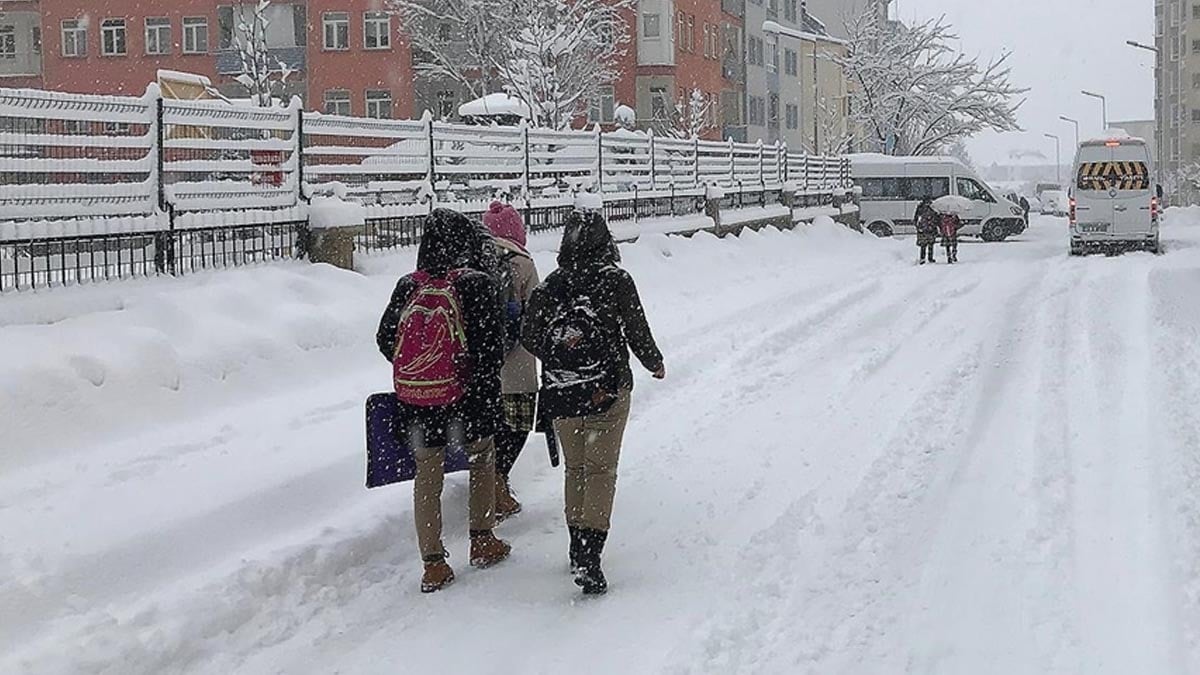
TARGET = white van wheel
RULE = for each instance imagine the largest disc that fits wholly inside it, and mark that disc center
(880, 229)
(994, 231)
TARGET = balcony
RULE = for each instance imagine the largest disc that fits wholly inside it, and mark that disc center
(734, 70)
(229, 61)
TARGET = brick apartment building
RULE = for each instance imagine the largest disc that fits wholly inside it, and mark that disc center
(348, 57)
(346, 54)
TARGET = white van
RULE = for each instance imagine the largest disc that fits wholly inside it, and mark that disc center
(892, 187)
(1114, 205)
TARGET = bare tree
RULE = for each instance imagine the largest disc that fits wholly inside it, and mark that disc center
(691, 116)
(560, 54)
(914, 94)
(553, 55)
(457, 40)
(262, 74)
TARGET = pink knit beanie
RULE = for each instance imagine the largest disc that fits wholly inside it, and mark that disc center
(505, 222)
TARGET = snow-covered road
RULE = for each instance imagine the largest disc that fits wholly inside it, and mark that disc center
(856, 465)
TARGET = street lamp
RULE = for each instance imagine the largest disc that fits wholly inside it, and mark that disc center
(1076, 123)
(1057, 159)
(1160, 110)
(1103, 107)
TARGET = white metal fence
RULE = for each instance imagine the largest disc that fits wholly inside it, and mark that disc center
(121, 162)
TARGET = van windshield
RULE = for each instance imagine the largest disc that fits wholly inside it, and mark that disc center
(1105, 176)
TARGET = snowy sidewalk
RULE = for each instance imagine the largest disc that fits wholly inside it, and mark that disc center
(856, 465)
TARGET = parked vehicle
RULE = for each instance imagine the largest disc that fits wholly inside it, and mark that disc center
(1055, 203)
(1042, 188)
(892, 187)
(1114, 205)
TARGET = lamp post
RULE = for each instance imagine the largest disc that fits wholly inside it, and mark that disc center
(1076, 123)
(1057, 159)
(1160, 116)
(1103, 106)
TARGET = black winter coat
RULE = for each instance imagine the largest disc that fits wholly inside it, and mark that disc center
(927, 224)
(588, 262)
(447, 243)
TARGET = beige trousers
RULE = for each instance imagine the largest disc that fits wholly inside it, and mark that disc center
(591, 447)
(427, 493)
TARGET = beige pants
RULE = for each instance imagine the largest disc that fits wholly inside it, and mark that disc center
(427, 493)
(591, 446)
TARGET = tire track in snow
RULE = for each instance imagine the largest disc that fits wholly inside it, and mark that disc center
(854, 535)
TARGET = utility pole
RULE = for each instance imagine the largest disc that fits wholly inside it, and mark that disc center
(1057, 159)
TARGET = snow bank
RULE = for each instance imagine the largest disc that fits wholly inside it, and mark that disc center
(330, 212)
(1182, 216)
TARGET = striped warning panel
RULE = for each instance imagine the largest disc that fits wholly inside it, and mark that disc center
(1107, 176)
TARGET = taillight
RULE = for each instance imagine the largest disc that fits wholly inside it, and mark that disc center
(1154, 208)
(1072, 210)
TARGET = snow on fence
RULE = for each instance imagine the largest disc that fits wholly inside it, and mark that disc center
(110, 186)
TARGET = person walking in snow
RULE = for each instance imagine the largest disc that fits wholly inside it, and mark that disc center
(518, 378)
(582, 323)
(443, 332)
(949, 226)
(927, 230)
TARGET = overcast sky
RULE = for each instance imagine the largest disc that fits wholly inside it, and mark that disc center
(1059, 47)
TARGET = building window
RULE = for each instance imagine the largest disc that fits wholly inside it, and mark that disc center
(158, 35)
(1196, 46)
(1195, 80)
(679, 31)
(789, 62)
(8, 42)
(658, 103)
(651, 25)
(112, 37)
(337, 102)
(789, 10)
(773, 111)
(447, 103)
(36, 35)
(602, 109)
(74, 38)
(444, 32)
(772, 49)
(337, 30)
(195, 35)
(792, 115)
(379, 104)
(691, 33)
(757, 111)
(1196, 114)
(377, 30)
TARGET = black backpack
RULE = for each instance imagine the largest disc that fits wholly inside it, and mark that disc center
(580, 374)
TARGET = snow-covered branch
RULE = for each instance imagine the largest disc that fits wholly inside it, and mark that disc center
(262, 74)
(914, 94)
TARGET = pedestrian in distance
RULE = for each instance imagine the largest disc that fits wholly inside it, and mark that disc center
(519, 379)
(927, 230)
(443, 332)
(1025, 209)
(582, 323)
(950, 225)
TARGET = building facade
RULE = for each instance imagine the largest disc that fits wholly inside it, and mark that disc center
(118, 47)
(1177, 92)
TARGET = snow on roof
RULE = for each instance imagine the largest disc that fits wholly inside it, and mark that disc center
(186, 78)
(878, 158)
(1113, 135)
(494, 104)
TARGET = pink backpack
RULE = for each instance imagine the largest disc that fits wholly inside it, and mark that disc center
(430, 366)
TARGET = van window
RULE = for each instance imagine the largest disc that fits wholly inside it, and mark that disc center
(882, 189)
(1105, 176)
(972, 190)
(872, 188)
(920, 188)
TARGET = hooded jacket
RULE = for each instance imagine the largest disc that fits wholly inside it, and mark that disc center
(450, 241)
(588, 265)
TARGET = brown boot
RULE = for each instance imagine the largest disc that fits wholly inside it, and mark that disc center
(438, 575)
(506, 505)
(486, 549)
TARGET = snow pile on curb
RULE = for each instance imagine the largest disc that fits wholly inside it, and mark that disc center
(93, 360)
(330, 212)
